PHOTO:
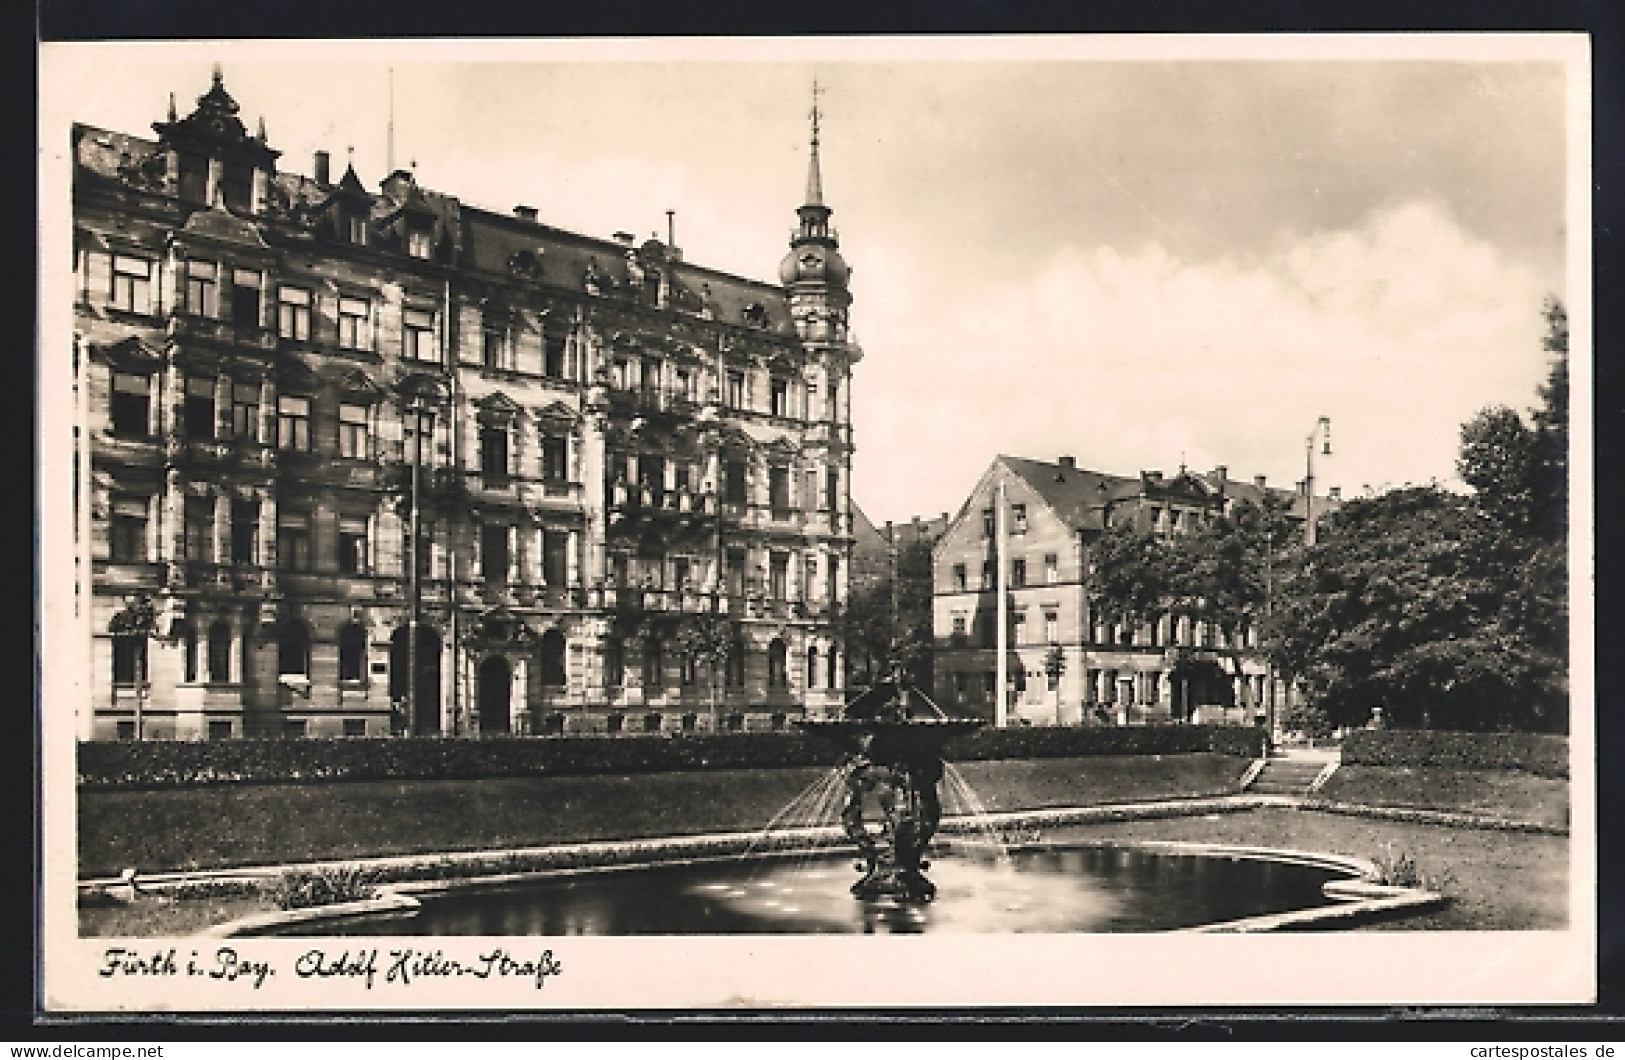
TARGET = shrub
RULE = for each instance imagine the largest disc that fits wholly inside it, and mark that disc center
(302, 888)
(173, 763)
(1544, 756)
(1400, 869)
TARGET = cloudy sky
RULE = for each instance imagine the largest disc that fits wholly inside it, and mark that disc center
(1058, 246)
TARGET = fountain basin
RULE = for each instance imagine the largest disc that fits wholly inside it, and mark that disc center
(1049, 887)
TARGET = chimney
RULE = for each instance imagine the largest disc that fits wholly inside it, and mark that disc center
(1259, 480)
(1222, 473)
(1154, 476)
(1335, 493)
(321, 171)
(525, 213)
(1068, 462)
(624, 239)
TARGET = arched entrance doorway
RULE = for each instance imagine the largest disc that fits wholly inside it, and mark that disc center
(423, 716)
(495, 688)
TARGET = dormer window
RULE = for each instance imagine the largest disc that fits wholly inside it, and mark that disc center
(419, 244)
(355, 230)
(194, 177)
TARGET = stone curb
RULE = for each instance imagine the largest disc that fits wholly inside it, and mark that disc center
(1441, 817)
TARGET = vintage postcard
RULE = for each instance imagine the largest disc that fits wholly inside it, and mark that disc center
(772, 523)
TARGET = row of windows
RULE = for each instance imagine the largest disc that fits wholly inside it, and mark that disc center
(657, 473)
(1018, 520)
(658, 571)
(1018, 573)
(1018, 628)
(205, 415)
(130, 522)
(1165, 632)
(132, 292)
(212, 659)
(652, 671)
(651, 378)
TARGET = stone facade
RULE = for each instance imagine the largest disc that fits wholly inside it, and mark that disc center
(288, 385)
(1169, 671)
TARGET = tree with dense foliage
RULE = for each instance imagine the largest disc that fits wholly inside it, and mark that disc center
(705, 641)
(1519, 470)
(1418, 601)
(888, 622)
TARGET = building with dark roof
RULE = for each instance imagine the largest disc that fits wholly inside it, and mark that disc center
(289, 386)
(1052, 514)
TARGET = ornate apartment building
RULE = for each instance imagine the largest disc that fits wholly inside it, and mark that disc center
(1170, 670)
(313, 418)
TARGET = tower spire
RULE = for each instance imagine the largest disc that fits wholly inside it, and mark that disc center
(815, 180)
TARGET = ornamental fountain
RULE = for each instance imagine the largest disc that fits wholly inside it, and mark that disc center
(893, 735)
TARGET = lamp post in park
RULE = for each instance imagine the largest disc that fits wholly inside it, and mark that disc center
(422, 420)
(1322, 434)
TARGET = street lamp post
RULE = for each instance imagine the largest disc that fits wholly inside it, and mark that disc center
(1323, 434)
(420, 416)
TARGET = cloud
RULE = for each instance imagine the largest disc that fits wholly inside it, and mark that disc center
(1399, 329)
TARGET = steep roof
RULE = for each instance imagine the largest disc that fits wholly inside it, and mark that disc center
(1076, 495)
(484, 239)
(494, 240)
(1079, 496)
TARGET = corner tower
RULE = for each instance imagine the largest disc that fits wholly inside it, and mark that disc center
(814, 272)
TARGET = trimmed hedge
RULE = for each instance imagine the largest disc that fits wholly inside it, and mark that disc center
(1544, 756)
(173, 763)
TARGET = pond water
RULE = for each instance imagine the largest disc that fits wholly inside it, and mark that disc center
(1077, 889)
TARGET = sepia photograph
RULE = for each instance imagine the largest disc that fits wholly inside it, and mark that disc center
(828, 522)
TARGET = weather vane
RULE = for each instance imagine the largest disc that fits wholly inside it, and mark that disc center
(816, 113)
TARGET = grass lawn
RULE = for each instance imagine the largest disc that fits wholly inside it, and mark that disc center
(255, 824)
(1503, 881)
(1502, 792)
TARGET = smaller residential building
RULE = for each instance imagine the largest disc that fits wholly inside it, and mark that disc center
(1169, 671)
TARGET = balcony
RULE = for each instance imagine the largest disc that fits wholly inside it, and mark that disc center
(184, 327)
(118, 574)
(629, 599)
(638, 502)
(218, 578)
(828, 433)
(219, 453)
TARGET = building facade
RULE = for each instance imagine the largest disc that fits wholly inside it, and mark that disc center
(1171, 670)
(331, 438)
